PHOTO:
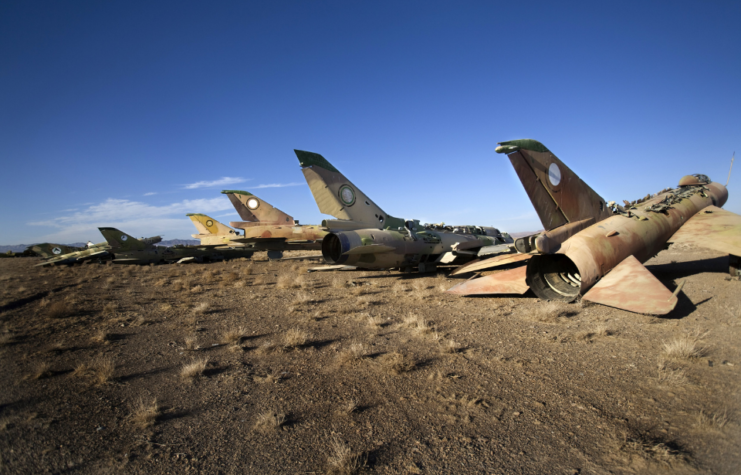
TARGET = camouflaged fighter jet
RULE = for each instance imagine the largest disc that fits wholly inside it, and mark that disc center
(126, 249)
(366, 236)
(266, 228)
(213, 233)
(48, 250)
(594, 249)
(98, 252)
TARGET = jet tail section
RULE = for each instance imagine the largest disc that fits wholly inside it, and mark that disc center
(339, 197)
(557, 193)
(208, 225)
(254, 209)
(120, 241)
(48, 250)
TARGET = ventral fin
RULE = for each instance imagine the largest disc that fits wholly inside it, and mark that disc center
(632, 287)
(510, 281)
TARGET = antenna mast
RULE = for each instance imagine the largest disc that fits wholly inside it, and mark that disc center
(729, 171)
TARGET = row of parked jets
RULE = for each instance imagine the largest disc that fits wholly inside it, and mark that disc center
(589, 248)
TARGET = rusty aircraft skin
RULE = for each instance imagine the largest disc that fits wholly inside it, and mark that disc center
(366, 236)
(126, 249)
(594, 249)
(266, 228)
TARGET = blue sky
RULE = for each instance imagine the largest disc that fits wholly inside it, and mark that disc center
(110, 110)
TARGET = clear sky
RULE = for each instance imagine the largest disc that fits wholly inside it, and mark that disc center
(131, 114)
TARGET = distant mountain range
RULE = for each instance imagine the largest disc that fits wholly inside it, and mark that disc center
(168, 243)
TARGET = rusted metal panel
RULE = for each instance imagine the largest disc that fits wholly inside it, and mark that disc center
(510, 281)
(632, 287)
(550, 241)
(498, 261)
(712, 228)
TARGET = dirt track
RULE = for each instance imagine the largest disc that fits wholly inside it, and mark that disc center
(398, 375)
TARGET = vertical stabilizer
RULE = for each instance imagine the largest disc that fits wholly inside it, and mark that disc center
(254, 209)
(336, 195)
(48, 250)
(119, 240)
(557, 193)
(208, 225)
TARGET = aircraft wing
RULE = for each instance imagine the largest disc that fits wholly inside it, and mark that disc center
(712, 228)
(94, 254)
(492, 262)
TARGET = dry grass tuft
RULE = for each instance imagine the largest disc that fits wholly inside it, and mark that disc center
(353, 355)
(349, 407)
(40, 370)
(196, 289)
(165, 307)
(101, 369)
(268, 378)
(339, 283)
(713, 420)
(60, 309)
(417, 323)
(145, 414)
(287, 281)
(7, 339)
(191, 342)
(239, 284)
(375, 322)
(655, 450)
(194, 369)
(266, 347)
(233, 335)
(603, 331)
(341, 460)
(162, 282)
(295, 338)
(553, 312)
(201, 308)
(452, 347)
(397, 363)
(685, 347)
(101, 336)
(669, 375)
(270, 420)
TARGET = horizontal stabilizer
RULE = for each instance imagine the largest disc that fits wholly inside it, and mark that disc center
(712, 228)
(94, 254)
(511, 281)
(371, 249)
(185, 260)
(492, 262)
(632, 287)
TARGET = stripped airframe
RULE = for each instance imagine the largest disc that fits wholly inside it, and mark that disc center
(594, 249)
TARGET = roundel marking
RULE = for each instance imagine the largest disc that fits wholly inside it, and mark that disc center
(209, 223)
(56, 250)
(124, 237)
(554, 174)
(347, 195)
(253, 203)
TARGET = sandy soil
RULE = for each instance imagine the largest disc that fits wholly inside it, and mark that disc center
(359, 372)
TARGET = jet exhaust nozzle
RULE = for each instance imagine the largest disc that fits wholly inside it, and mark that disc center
(553, 277)
(333, 248)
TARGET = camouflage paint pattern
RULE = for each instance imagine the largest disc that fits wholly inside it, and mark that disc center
(252, 208)
(365, 235)
(48, 250)
(511, 281)
(575, 262)
(99, 251)
(126, 249)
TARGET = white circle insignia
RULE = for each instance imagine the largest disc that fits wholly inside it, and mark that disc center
(56, 250)
(124, 237)
(209, 223)
(554, 174)
(347, 195)
(252, 203)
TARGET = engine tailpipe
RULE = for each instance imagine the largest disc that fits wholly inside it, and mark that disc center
(553, 277)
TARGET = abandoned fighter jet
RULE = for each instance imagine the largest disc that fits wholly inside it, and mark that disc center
(97, 252)
(267, 228)
(364, 235)
(48, 250)
(595, 249)
(126, 249)
(213, 233)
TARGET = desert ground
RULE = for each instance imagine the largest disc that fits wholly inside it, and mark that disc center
(253, 366)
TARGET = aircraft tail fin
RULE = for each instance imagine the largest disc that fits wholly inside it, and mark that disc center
(557, 193)
(48, 250)
(252, 208)
(120, 241)
(208, 225)
(336, 195)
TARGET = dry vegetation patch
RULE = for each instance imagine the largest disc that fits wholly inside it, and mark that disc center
(59, 309)
(295, 338)
(342, 460)
(270, 420)
(686, 347)
(144, 413)
(191, 371)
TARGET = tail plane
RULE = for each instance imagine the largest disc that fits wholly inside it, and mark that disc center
(48, 250)
(208, 225)
(119, 240)
(254, 209)
(336, 195)
(559, 196)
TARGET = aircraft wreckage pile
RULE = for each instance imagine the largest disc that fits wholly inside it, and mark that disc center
(590, 248)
